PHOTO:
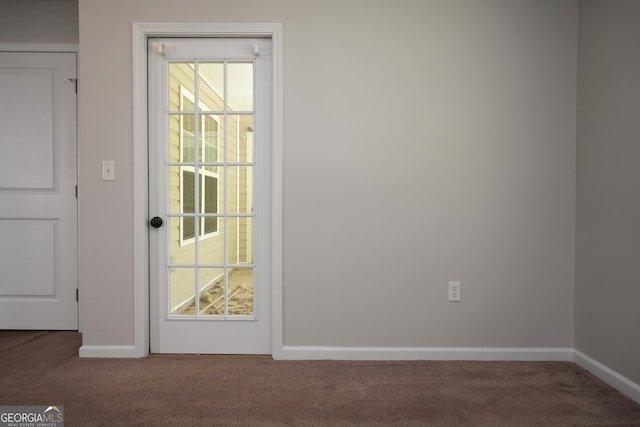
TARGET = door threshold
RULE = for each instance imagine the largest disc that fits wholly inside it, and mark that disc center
(213, 356)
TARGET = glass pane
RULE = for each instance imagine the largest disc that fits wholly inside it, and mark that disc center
(240, 249)
(209, 141)
(240, 189)
(175, 132)
(212, 291)
(210, 225)
(187, 138)
(241, 296)
(187, 102)
(188, 199)
(211, 87)
(209, 191)
(240, 86)
(187, 191)
(211, 246)
(239, 138)
(175, 197)
(182, 286)
(181, 250)
(188, 228)
(181, 78)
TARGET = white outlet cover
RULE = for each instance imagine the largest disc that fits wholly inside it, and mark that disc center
(454, 291)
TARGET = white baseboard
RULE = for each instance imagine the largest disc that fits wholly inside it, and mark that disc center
(559, 354)
(609, 376)
(424, 353)
(108, 351)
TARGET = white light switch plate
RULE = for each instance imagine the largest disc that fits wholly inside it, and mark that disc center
(108, 170)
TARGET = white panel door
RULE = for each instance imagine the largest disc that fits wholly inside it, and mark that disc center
(210, 191)
(38, 205)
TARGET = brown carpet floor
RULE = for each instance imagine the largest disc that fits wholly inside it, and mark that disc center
(43, 368)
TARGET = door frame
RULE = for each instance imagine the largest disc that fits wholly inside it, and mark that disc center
(141, 32)
(60, 48)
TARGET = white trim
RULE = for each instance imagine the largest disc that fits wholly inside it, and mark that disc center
(608, 375)
(140, 201)
(142, 31)
(277, 336)
(108, 351)
(426, 353)
(38, 47)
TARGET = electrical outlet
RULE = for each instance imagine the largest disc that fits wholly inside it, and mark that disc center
(454, 291)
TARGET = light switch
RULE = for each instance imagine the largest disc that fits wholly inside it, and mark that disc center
(108, 170)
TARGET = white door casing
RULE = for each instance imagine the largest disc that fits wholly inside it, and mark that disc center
(180, 265)
(38, 205)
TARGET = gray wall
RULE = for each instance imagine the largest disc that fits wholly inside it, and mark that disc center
(607, 299)
(32, 21)
(427, 142)
(424, 141)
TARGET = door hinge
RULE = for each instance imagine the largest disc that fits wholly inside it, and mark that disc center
(77, 295)
(75, 81)
(76, 191)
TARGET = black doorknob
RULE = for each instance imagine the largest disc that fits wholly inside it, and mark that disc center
(156, 222)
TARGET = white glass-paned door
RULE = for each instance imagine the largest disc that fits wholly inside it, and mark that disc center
(209, 162)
